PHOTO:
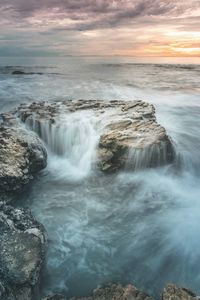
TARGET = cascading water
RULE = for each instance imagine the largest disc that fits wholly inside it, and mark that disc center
(138, 227)
(154, 155)
(71, 142)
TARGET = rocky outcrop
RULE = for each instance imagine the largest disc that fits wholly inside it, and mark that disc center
(130, 137)
(129, 292)
(23, 244)
(55, 297)
(118, 292)
(172, 292)
(134, 140)
(22, 154)
(110, 292)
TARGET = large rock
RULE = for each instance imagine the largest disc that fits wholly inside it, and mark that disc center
(172, 292)
(133, 139)
(23, 244)
(22, 154)
(130, 137)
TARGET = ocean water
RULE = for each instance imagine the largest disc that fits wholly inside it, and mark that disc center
(139, 227)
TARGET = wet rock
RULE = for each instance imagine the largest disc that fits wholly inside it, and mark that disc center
(130, 135)
(55, 297)
(172, 292)
(10, 292)
(110, 292)
(23, 244)
(22, 154)
(6, 292)
(19, 72)
(129, 292)
(134, 140)
(117, 292)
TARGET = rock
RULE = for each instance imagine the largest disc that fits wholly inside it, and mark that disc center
(110, 292)
(117, 292)
(55, 297)
(8, 292)
(19, 72)
(135, 145)
(129, 292)
(134, 140)
(22, 154)
(23, 244)
(130, 136)
(172, 292)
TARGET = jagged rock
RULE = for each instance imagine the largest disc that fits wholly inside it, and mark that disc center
(129, 292)
(172, 292)
(6, 292)
(23, 244)
(9, 292)
(55, 297)
(22, 154)
(130, 136)
(117, 292)
(110, 292)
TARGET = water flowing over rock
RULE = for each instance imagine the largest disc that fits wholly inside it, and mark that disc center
(22, 154)
(23, 244)
(127, 134)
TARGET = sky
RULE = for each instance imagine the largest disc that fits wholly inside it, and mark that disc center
(139, 28)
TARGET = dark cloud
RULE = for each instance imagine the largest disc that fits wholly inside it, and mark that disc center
(95, 13)
(48, 27)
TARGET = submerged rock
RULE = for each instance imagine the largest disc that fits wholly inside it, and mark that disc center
(129, 292)
(22, 154)
(129, 136)
(23, 244)
(110, 292)
(172, 292)
(55, 297)
(19, 72)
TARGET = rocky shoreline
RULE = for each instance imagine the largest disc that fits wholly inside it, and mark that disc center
(129, 131)
(23, 243)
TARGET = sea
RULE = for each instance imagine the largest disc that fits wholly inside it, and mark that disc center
(137, 226)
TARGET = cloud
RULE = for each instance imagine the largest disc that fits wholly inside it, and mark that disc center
(99, 26)
(91, 14)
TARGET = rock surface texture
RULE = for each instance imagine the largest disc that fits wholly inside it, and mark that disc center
(23, 244)
(129, 135)
(110, 292)
(22, 154)
(172, 292)
(129, 292)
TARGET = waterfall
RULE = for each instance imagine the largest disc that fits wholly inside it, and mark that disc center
(71, 141)
(154, 155)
